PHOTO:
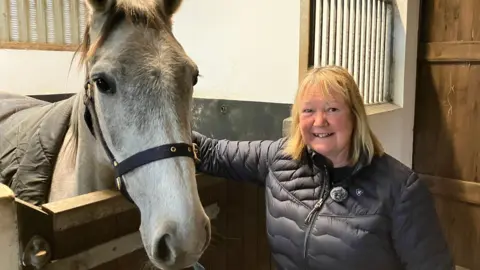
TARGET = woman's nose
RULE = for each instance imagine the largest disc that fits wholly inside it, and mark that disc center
(320, 119)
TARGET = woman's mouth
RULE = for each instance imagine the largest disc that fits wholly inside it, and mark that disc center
(322, 135)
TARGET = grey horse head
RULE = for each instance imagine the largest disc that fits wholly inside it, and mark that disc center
(142, 87)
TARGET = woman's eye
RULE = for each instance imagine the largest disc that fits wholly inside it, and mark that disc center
(332, 110)
(307, 110)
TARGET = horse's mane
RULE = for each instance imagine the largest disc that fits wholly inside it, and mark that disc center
(148, 14)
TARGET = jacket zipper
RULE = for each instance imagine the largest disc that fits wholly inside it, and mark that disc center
(312, 216)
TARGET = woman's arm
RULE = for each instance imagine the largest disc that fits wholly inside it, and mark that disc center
(237, 160)
(417, 234)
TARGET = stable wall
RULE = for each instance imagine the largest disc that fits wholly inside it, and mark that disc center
(243, 62)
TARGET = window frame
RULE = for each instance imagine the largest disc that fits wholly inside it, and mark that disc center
(306, 54)
(42, 45)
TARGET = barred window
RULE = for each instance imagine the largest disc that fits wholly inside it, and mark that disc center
(357, 35)
(42, 22)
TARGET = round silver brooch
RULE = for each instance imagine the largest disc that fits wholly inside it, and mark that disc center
(338, 194)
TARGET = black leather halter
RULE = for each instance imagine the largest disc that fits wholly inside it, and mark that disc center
(136, 160)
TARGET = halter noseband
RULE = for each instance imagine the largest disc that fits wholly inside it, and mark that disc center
(136, 160)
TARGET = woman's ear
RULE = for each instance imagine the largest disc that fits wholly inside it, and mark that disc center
(99, 5)
(171, 6)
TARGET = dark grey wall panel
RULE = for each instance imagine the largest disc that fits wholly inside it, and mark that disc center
(230, 119)
(239, 120)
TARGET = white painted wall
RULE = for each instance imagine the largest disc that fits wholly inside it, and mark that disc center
(39, 72)
(246, 50)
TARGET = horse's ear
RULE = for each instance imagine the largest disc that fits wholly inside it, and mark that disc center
(99, 5)
(171, 6)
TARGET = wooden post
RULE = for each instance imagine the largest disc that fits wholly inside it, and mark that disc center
(9, 247)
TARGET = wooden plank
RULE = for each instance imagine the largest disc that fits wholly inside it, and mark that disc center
(83, 209)
(101, 254)
(449, 20)
(250, 231)
(455, 51)
(124, 253)
(37, 46)
(215, 257)
(264, 252)
(463, 191)
(94, 233)
(235, 252)
(134, 260)
(447, 105)
(9, 247)
(446, 122)
(460, 222)
(93, 219)
(32, 222)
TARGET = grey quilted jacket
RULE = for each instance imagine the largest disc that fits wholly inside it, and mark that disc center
(387, 222)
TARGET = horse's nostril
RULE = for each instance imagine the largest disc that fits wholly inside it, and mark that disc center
(162, 250)
(208, 236)
(207, 229)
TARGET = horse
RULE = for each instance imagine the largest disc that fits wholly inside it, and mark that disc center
(128, 128)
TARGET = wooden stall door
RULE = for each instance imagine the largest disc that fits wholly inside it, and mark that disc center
(447, 120)
(245, 245)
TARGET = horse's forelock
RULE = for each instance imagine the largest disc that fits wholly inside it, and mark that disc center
(149, 14)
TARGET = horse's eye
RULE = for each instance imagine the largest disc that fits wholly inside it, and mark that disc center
(195, 79)
(196, 74)
(103, 86)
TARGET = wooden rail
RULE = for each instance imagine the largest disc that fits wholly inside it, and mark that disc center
(451, 51)
(78, 229)
(463, 191)
(9, 248)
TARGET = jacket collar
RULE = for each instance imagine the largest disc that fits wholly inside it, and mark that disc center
(321, 161)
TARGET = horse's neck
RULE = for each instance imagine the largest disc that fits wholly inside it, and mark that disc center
(82, 165)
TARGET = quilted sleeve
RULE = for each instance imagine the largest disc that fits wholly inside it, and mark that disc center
(417, 234)
(236, 160)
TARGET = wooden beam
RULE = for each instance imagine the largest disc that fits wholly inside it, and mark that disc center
(460, 190)
(83, 209)
(101, 254)
(33, 223)
(77, 224)
(9, 246)
(456, 51)
(37, 46)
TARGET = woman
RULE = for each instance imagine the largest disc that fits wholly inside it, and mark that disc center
(335, 200)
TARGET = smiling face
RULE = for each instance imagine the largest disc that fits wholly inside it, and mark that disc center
(326, 125)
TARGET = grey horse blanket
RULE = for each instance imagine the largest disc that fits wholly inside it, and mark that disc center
(31, 134)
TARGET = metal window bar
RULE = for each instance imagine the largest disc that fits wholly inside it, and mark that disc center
(60, 22)
(356, 34)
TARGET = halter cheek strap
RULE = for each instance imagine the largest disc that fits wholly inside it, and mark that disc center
(136, 160)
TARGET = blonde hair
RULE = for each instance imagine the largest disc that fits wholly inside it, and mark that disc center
(339, 80)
